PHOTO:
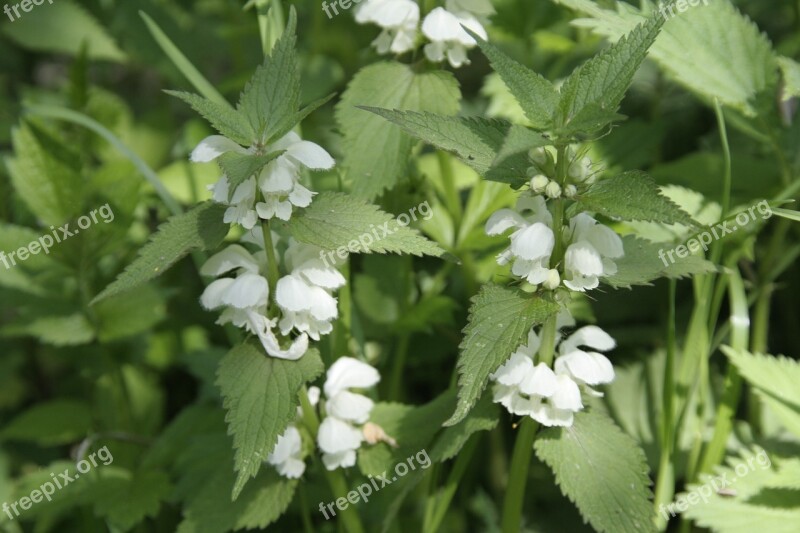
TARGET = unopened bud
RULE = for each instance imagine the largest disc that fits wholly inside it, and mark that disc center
(570, 191)
(374, 434)
(553, 190)
(539, 183)
(538, 156)
(553, 280)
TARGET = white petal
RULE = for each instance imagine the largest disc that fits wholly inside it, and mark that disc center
(347, 373)
(605, 241)
(582, 283)
(323, 305)
(581, 257)
(313, 395)
(293, 294)
(591, 368)
(513, 371)
(232, 257)
(212, 295)
(534, 242)
(567, 394)
(212, 147)
(295, 351)
(540, 382)
(474, 25)
(404, 40)
(279, 176)
(435, 51)
(441, 25)
(589, 336)
(300, 196)
(288, 444)
(457, 56)
(337, 436)
(534, 209)
(311, 155)
(503, 219)
(247, 290)
(292, 468)
(350, 406)
(343, 459)
(550, 416)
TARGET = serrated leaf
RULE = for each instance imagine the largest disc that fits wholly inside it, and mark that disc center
(44, 175)
(643, 263)
(731, 59)
(377, 152)
(775, 380)
(499, 319)
(199, 229)
(261, 398)
(126, 500)
(633, 196)
(488, 146)
(228, 121)
(483, 417)
(536, 95)
(50, 424)
(335, 220)
(602, 471)
(271, 98)
(63, 27)
(238, 167)
(600, 83)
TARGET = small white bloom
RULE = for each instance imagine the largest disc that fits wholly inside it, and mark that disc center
(553, 280)
(553, 190)
(539, 183)
(532, 242)
(339, 437)
(399, 20)
(287, 456)
(580, 170)
(591, 254)
(448, 38)
(586, 367)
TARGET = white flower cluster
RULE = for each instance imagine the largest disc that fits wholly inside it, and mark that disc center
(552, 395)
(345, 427)
(278, 181)
(442, 27)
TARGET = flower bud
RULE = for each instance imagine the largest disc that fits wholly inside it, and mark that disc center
(553, 280)
(538, 156)
(539, 183)
(570, 191)
(553, 190)
(532, 171)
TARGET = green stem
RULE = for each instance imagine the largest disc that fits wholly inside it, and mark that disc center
(398, 363)
(272, 261)
(437, 507)
(450, 190)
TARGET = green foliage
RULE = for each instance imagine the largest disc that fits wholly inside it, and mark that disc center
(499, 320)
(50, 424)
(125, 500)
(376, 152)
(601, 470)
(256, 418)
(336, 220)
(238, 167)
(230, 122)
(643, 263)
(199, 229)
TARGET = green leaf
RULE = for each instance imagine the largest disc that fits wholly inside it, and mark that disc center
(377, 152)
(271, 98)
(126, 500)
(199, 229)
(645, 261)
(483, 417)
(731, 59)
(536, 95)
(129, 313)
(600, 84)
(66, 329)
(45, 175)
(62, 27)
(499, 319)
(225, 119)
(238, 167)
(51, 424)
(602, 471)
(336, 220)
(786, 213)
(633, 196)
(790, 69)
(775, 379)
(486, 145)
(260, 396)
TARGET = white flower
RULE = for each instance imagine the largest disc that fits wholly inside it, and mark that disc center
(549, 397)
(532, 242)
(399, 20)
(287, 456)
(304, 296)
(339, 437)
(448, 38)
(278, 181)
(590, 255)
(245, 298)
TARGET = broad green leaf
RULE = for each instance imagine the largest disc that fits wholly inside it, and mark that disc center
(791, 77)
(238, 167)
(602, 471)
(199, 229)
(62, 26)
(499, 319)
(633, 196)
(377, 152)
(230, 122)
(50, 424)
(271, 98)
(260, 397)
(730, 59)
(335, 221)
(126, 500)
(45, 174)
(129, 313)
(600, 84)
(536, 95)
(486, 145)
(775, 379)
(66, 329)
(645, 261)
